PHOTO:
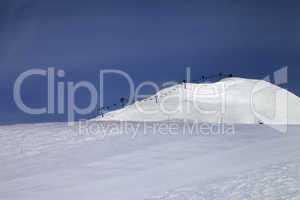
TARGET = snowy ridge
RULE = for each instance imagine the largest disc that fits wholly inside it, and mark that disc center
(231, 100)
(54, 160)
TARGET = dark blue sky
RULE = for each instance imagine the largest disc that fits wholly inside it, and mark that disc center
(150, 40)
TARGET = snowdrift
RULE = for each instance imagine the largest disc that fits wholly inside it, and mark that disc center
(231, 100)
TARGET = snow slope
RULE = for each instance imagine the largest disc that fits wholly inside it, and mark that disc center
(153, 151)
(55, 161)
(231, 100)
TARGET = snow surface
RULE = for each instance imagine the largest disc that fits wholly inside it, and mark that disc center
(56, 161)
(231, 100)
(153, 151)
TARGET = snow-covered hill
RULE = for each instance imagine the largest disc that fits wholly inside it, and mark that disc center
(231, 100)
(118, 157)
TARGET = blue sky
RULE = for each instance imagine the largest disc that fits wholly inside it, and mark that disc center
(150, 40)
